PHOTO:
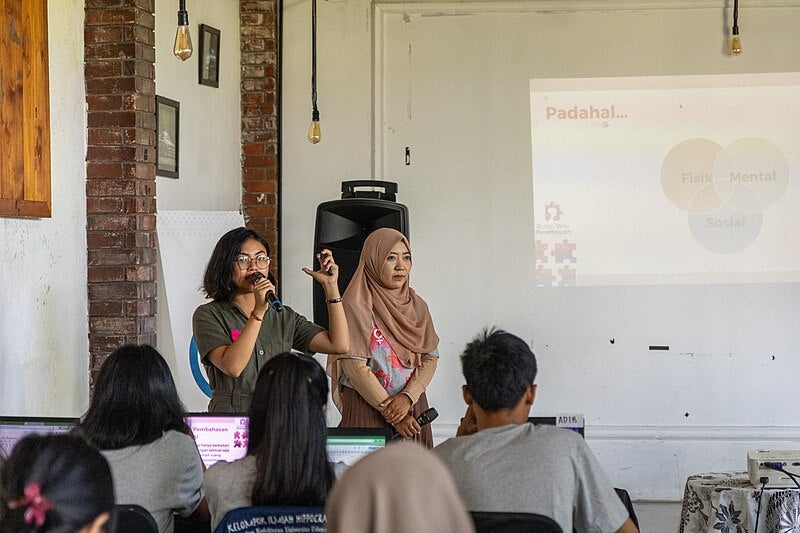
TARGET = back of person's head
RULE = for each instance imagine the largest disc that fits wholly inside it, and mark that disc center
(54, 483)
(402, 488)
(498, 368)
(288, 432)
(135, 400)
(218, 278)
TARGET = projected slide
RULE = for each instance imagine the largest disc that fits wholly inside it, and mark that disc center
(664, 180)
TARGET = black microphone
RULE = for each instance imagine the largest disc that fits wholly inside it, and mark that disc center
(426, 417)
(330, 269)
(271, 298)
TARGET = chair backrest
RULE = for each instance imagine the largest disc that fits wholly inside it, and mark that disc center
(130, 518)
(486, 522)
(273, 519)
(626, 500)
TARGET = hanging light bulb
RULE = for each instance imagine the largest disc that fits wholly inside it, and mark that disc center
(183, 41)
(736, 43)
(313, 130)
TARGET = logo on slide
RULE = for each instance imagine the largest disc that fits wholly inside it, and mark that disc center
(725, 190)
(555, 249)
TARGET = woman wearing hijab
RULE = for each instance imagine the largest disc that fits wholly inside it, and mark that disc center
(382, 493)
(393, 344)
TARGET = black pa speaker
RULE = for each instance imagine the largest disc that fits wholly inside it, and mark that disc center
(342, 226)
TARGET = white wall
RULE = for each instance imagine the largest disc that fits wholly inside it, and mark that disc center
(44, 348)
(210, 131)
(210, 172)
(653, 419)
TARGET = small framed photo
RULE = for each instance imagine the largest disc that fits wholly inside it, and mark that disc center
(167, 129)
(209, 56)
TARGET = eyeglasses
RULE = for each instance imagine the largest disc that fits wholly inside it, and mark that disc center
(244, 261)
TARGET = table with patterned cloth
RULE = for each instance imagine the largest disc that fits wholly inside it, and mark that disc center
(727, 502)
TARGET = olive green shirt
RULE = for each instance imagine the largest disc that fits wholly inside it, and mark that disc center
(218, 324)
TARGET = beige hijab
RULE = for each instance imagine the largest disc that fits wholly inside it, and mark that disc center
(402, 488)
(401, 315)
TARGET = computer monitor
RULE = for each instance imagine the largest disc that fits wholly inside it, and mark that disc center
(348, 445)
(219, 437)
(573, 422)
(13, 428)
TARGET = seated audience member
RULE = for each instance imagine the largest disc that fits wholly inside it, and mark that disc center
(287, 461)
(55, 483)
(136, 421)
(501, 463)
(402, 488)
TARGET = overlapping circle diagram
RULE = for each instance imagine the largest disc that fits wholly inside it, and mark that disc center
(725, 190)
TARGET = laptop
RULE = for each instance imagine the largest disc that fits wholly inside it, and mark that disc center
(224, 437)
(13, 428)
(219, 437)
(575, 423)
(348, 445)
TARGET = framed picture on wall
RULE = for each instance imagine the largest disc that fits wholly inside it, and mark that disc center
(209, 56)
(167, 129)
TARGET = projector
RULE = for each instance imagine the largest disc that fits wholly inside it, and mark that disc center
(762, 464)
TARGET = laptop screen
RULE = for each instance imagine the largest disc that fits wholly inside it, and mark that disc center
(219, 437)
(572, 422)
(13, 428)
(348, 445)
(224, 437)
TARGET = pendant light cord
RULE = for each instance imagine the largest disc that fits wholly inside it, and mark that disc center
(315, 111)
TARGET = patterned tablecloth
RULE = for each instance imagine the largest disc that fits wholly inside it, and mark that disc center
(727, 502)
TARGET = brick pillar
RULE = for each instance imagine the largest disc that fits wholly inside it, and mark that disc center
(119, 69)
(258, 23)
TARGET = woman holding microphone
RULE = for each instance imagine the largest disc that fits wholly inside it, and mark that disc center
(240, 330)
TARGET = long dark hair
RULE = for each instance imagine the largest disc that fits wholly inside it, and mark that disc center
(68, 474)
(135, 400)
(288, 433)
(218, 278)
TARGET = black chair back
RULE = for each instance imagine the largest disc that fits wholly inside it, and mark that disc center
(488, 522)
(626, 500)
(130, 518)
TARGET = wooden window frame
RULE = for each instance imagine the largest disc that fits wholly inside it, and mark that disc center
(24, 111)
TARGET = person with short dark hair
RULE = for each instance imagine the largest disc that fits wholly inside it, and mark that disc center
(502, 463)
(287, 461)
(55, 484)
(136, 421)
(238, 332)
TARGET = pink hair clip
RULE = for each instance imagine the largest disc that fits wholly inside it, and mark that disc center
(37, 505)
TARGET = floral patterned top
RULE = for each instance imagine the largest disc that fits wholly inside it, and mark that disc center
(385, 364)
